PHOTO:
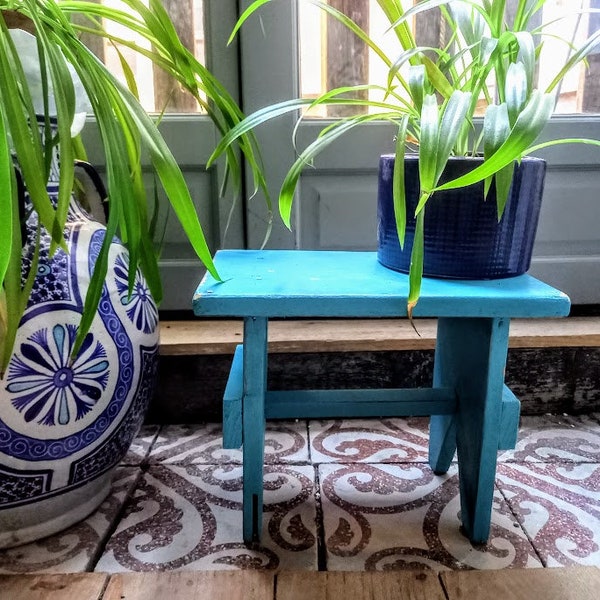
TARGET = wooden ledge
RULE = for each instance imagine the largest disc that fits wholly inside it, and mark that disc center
(211, 336)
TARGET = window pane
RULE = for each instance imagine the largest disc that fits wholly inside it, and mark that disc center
(156, 89)
(331, 56)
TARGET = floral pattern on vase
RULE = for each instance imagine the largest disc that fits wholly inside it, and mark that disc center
(65, 425)
(46, 387)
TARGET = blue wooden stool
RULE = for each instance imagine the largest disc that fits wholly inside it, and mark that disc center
(472, 411)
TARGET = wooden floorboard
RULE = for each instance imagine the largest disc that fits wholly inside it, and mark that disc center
(199, 585)
(576, 583)
(565, 583)
(206, 336)
(72, 586)
(333, 585)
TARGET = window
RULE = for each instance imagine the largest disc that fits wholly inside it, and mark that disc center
(331, 56)
(157, 90)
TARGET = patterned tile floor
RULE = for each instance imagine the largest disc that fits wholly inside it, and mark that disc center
(339, 495)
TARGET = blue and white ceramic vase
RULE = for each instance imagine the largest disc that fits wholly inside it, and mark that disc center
(65, 425)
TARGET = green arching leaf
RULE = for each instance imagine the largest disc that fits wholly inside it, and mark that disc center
(405, 57)
(453, 117)
(437, 78)
(527, 128)
(496, 128)
(429, 142)
(394, 12)
(415, 275)
(557, 142)
(503, 179)
(94, 291)
(244, 17)
(585, 49)
(288, 187)
(398, 182)
(515, 90)
(26, 142)
(527, 56)
(497, 16)
(469, 22)
(254, 120)
(416, 83)
(7, 200)
(354, 28)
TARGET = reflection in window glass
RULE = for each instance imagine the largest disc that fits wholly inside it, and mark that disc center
(331, 57)
(157, 91)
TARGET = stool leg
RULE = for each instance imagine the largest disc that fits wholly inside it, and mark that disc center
(442, 428)
(253, 424)
(472, 355)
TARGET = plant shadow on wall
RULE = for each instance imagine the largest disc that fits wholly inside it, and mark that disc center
(78, 318)
(454, 172)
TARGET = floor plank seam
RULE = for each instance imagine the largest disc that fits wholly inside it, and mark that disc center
(518, 521)
(320, 524)
(114, 525)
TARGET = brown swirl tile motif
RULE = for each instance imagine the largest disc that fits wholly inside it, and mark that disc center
(189, 517)
(74, 549)
(558, 505)
(285, 442)
(369, 440)
(552, 438)
(402, 516)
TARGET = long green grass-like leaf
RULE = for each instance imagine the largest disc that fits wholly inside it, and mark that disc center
(527, 128)
(394, 12)
(415, 275)
(417, 82)
(527, 56)
(245, 16)
(437, 78)
(398, 182)
(496, 129)
(560, 141)
(254, 120)
(586, 48)
(26, 141)
(64, 97)
(7, 200)
(288, 187)
(429, 142)
(515, 90)
(453, 120)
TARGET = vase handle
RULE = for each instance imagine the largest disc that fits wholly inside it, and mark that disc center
(94, 198)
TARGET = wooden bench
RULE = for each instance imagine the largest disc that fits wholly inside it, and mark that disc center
(221, 336)
(472, 411)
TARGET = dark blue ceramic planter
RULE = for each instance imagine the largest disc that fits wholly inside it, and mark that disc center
(463, 238)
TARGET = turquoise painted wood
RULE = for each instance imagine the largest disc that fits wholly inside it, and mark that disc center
(293, 283)
(511, 413)
(232, 402)
(253, 424)
(473, 414)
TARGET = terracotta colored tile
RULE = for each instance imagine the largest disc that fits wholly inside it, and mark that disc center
(74, 549)
(551, 438)
(558, 505)
(382, 516)
(190, 517)
(285, 442)
(369, 440)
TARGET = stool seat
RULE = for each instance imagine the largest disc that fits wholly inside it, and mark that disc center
(472, 412)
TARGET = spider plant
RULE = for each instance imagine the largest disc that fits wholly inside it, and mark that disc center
(433, 96)
(126, 132)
